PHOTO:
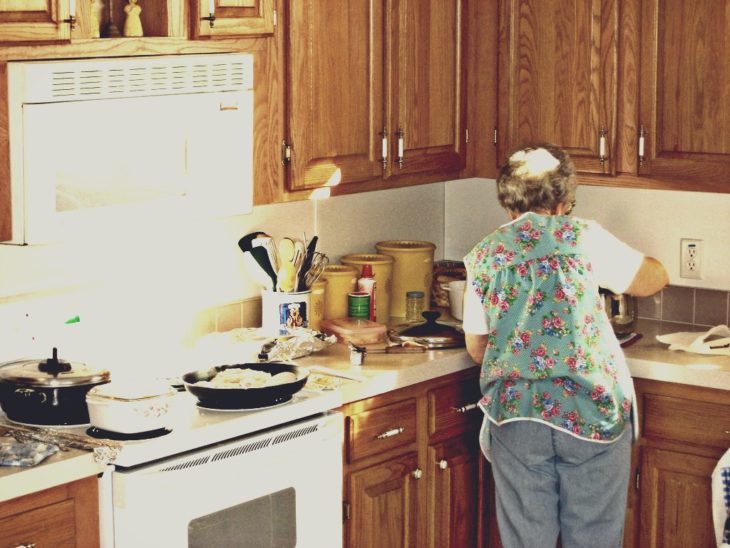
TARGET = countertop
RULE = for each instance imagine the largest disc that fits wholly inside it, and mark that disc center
(381, 373)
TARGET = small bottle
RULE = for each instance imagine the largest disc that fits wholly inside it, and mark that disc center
(414, 305)
(366, 283)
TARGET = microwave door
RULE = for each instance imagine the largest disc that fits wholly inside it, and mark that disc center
(87, 160)
(221, 168)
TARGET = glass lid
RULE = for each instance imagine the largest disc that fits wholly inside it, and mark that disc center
(51, 372)
(430, 333)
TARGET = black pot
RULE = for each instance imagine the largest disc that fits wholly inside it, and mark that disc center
(48, 393)
(245, 398)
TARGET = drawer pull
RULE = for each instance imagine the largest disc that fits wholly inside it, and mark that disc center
(465, 408)
(390, 433)
(443, 464)
(417, 473)
(26, 545)
(727, 432)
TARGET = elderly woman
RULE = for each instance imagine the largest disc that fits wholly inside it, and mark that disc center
(557, 394)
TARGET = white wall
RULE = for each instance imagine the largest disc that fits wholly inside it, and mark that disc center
(136, 293)
(653, 221)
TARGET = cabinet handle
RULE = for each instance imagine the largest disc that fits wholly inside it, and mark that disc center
(465, 408)
(443, 464)
(602, 148)
(642, 134)
(400, 134)
(417, 473)
(390, 433)
(385, 147)
(727, 432)
(26, 545)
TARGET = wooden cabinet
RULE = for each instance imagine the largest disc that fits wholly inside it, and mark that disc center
(636, 90)
(684, 431)
(414, 474)
(375, 90)
(684, 108)
(557, 78)
(63, 516)
(232, 18)
(34, 20)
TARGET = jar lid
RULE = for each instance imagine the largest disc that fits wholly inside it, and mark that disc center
(51, 372)
(414, 294)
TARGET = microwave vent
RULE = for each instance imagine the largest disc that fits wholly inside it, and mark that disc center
(78, 80)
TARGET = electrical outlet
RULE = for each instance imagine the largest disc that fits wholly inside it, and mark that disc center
(690, 257)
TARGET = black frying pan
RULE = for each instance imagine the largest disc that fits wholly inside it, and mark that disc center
(245, 398)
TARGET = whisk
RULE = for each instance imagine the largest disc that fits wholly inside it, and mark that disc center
(319, 263)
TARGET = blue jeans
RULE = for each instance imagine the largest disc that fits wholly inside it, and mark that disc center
(549, 482)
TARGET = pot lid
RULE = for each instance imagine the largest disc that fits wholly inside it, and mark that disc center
(430, 333)
(51, 372)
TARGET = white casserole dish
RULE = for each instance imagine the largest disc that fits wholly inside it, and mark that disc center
(128, 408)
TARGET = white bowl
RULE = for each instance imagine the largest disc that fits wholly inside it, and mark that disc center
(129, 409)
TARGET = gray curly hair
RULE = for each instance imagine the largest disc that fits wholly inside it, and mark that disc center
(537, 176)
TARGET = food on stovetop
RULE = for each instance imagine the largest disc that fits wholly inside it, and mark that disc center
(247, 378)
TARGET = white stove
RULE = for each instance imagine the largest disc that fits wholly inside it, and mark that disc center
(193, 427)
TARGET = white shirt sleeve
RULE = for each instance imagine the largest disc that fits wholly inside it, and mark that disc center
(614, 263)
(474, 321)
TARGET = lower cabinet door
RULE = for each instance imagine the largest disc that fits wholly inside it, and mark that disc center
(676, 499)
(384, 504)
(454, 492)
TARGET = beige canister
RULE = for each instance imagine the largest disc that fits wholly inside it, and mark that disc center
(317, 303)
(383, 272)
(412, 270)
(341, 281)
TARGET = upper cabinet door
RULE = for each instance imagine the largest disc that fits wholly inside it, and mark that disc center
(557, 78)
(685, 91)
(427, 86)
(233, 18)
(34, 20)
(334, 81)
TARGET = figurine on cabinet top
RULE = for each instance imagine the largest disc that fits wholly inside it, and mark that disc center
(133, 23)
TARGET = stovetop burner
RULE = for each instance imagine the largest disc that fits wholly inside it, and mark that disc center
(100, 433)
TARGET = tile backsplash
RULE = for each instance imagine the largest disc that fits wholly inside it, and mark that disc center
(695, 306)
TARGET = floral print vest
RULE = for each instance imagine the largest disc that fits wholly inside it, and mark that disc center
(551, 354)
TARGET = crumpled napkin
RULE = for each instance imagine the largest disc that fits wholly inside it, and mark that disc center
(713, 341)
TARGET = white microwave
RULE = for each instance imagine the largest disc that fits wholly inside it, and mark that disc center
(98, 143)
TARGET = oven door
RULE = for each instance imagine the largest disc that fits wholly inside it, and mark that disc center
(279, 488)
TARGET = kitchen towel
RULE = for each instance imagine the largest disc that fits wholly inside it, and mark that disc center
(14, 453)
(721, 501)
(713, 341)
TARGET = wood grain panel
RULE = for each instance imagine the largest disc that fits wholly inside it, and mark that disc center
(557, 77)
(685, 90)
(334, 92)
(382, 429)
(676, 508)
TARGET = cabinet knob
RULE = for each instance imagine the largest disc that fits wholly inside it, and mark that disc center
(417, 473)
(390, 433)
(443, 464)
(465, 408)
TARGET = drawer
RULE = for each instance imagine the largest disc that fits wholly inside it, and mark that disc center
(52, 525)
(452, 408)
(684, 420)
(381, 429)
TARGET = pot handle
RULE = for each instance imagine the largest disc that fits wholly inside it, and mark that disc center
(28, 393)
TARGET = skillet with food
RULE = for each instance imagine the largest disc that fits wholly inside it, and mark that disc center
(245, 386)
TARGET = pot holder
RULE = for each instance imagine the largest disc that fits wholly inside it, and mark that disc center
(14, 453)
(714, 341)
